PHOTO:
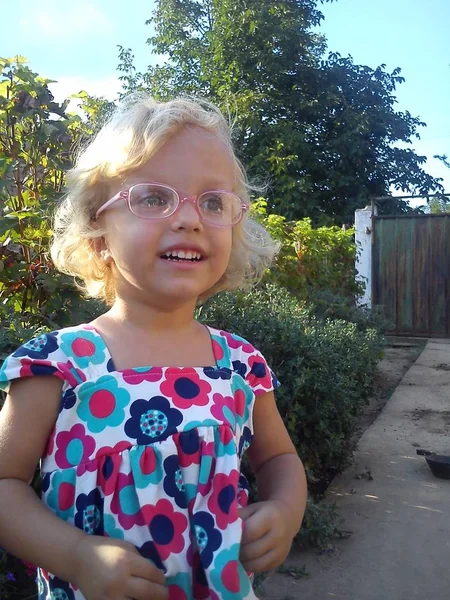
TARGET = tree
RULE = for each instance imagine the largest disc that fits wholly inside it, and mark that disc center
(37, 136)
(322, 131)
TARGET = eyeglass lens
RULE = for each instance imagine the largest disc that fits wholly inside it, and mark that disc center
(152, 201)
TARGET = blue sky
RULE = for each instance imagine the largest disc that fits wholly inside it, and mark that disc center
(76, 44)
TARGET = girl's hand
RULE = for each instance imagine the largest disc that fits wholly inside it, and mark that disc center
(113, 569)
(266, 537)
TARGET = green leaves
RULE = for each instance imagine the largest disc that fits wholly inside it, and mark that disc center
(321, 130)
(36, 142)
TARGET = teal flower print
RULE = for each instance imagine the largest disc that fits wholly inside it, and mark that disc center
(84, 348)
(146, 466)
(102, 403)
(110, 528)
(61, 495)
(228, 577)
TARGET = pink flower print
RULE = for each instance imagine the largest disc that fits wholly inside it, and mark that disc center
(217, 350)
(108, 472)
(74, 447)
(32, 366)
(223, 500)
(140, 374)
(166, 527)
(224, 410)
(259, 377)
(185, 388)
(71, 374)
(50, 444)
(125, 502)
(236, 342)
(118, 448)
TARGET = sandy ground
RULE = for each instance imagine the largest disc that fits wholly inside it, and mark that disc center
(397, 511)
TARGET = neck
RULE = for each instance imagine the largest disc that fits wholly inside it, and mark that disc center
(152, 319)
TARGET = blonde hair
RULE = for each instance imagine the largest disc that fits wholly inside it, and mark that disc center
(137, 129)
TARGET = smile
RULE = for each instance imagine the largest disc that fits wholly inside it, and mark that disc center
(185, 255)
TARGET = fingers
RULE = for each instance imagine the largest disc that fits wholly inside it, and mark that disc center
(256, 549)
(145, 569)
(262, 563)
(256, 526)
(142, 589)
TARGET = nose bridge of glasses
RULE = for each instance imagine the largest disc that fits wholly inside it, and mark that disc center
(191, 200)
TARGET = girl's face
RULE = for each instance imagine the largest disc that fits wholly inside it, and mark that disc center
(192, 161)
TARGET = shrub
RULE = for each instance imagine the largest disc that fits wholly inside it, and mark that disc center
(311, 259)
(326, 369)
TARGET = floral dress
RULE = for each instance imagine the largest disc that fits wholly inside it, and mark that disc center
(151, 456)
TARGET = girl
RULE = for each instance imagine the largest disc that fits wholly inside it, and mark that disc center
(141, 417)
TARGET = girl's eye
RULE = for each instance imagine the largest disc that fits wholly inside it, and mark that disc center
(213, 203)
(151, 198)
(153, 201)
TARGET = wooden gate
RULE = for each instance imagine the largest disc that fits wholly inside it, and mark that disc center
(411, 273)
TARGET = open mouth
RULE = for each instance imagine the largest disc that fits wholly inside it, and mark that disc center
(182, 256)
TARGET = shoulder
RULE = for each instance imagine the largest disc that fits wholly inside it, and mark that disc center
(49, 353)
(246, 360)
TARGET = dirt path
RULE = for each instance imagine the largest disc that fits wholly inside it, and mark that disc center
(286, 583)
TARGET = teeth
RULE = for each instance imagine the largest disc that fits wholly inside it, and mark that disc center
(182, 255)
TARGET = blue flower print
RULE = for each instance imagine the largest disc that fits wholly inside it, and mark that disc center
(68, 400)
(207, 536)
(239, 367)
(110, 529)
(89, 516)
(228, 577)
(60, 590)
(149, 551)
(152, 420)
(39, 347)
(215, 373)
(173, 481)
(245, 441)
(61, 497)
(102, 403)
(84, 347)
(45, 482)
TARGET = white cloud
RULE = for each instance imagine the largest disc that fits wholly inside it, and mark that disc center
(107, 87)
(63, 20)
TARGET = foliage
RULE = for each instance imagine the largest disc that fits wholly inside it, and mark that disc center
(326, 369)
(36, 141)
(17, 578)
(311, 259)
(322, 131)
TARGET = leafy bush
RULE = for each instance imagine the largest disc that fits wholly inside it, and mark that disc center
(311, 259)
(326, 369)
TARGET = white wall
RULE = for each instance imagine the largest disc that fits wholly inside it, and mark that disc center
(363, 239)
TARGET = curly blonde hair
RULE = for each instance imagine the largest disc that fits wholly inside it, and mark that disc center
(137, 129)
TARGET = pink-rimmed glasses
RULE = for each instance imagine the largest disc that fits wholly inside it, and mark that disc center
(155, 201)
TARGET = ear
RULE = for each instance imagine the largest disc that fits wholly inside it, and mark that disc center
(101, 249)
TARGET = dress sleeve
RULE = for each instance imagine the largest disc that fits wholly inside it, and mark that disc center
(39, 356)
(259, 375)
(250, 364)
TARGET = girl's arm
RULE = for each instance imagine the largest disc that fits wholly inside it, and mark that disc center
(28, 529)
(271, 524)
(101, 567)
(273, 458)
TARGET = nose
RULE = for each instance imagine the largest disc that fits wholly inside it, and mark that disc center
(187, 216)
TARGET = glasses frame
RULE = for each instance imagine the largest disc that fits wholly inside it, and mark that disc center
(182, 198)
